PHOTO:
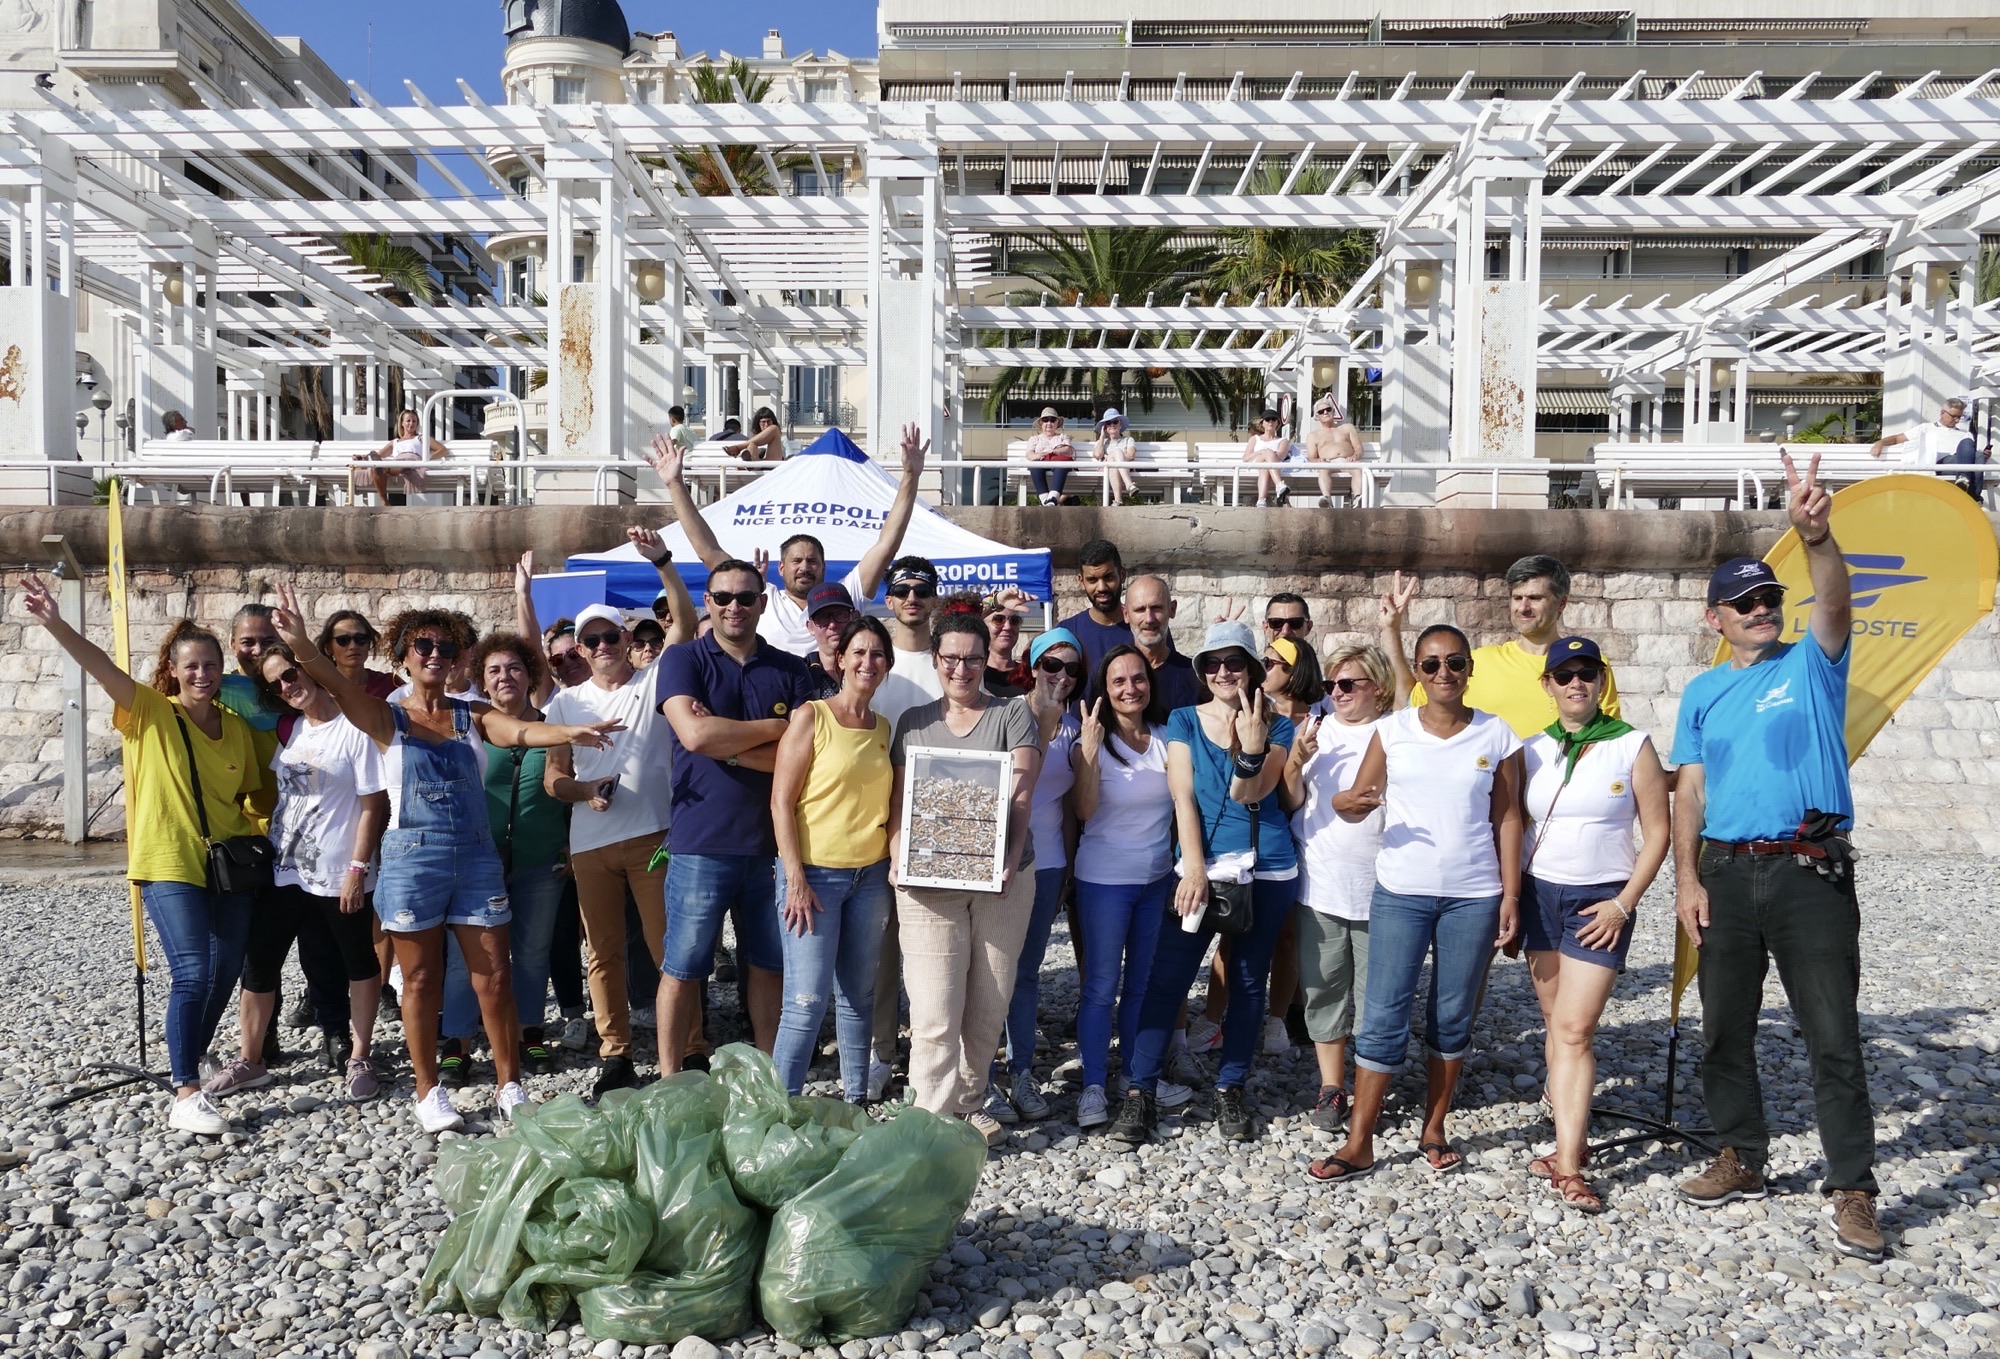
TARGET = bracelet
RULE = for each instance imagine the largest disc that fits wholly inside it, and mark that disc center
(1815, 542)
(1250, 766)
(1624, 916)
(356, 866)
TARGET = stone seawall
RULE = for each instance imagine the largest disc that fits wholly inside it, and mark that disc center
(1927, 782)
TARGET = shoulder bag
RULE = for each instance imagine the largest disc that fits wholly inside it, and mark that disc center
(1231, 905)
(242, 863)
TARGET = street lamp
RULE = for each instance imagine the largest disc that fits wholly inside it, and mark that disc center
(103, 403)
(1790, 415)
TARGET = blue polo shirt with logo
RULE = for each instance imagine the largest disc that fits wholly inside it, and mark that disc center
(1772, 741)
(719, 808)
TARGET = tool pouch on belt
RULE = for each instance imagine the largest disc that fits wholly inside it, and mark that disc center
(1824, 846)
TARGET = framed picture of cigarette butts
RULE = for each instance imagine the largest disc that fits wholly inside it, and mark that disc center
(955, 818)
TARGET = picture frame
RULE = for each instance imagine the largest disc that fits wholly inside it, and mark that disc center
(955, 806)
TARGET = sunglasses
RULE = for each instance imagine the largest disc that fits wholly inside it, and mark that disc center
(1349, 685)
(1049, 420)
(1287, 624)
(599, 639)
(912, 590)
(289, 675)
(1457, 663)
(351, 639)
(1570, 674)
(1757, 599)
(1275, 663)
(722, 599)
(570, 656)
(428, 647)
(831, 618)
(1051, 665)
(1235, 665)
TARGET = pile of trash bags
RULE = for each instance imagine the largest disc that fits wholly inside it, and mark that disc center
(698, 1203)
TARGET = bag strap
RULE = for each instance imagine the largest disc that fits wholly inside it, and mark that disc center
(1253, 808)
(194, 774)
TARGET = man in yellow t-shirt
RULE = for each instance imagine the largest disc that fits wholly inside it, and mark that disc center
(1507, 676)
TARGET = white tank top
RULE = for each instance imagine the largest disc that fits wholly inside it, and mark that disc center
(1588, 838)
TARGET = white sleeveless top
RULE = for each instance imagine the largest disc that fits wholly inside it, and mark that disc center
(1589, 837)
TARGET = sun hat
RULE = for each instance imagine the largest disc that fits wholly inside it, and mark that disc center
(591, 613)
(1110, 413)
(1232, 635)
(1048, 413)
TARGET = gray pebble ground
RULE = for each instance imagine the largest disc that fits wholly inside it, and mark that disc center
(305, 1232)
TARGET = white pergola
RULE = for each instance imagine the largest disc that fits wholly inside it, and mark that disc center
(209, 232)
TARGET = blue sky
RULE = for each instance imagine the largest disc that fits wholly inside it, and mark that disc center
(382, 43)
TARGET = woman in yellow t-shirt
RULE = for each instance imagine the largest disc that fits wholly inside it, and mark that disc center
(830, 809)
(202, 932)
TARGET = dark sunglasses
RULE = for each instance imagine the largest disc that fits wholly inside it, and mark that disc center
(1569, 674)
(573, 656)
(598, 639)
(918, 591)
(289, 675)
(1347, 686)
(1235, 665)
(832, 618)
(1757, 599)
(1276, 663)
(722, 599)
(1053, 665)
(427, 647)
(351, 639)
(1286, 624)
(1457, 663)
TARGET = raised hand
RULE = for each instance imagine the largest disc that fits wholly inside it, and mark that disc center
(915, 449)
(289, 622)
(1091, 738)
(1012, 599)
(1230, 612)
(651, 546)
(668, 459)
(1253, 723)
(38, 599)
(1305, 744)
(1808, 503)
(524, 573)
(761, 559)
(1397, 602)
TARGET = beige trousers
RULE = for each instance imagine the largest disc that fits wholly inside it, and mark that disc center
(960, 951)
(602, 876)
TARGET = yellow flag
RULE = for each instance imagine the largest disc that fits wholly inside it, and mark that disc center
(121, 647)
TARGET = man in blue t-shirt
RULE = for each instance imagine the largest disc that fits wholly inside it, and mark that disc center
(1762, 750)
(727, 697)
(1099, 628)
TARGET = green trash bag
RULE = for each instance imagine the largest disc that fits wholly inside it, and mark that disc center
(777, 1146)
(465, 1168)
(592, 1232)
(575, 1140)
(654, 1309)
(485, 1250)
(846, 1257)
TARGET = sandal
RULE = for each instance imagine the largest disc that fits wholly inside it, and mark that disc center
(1575, 1192)
(1544, 1167)
(1440, 1157)
(1347, 1170)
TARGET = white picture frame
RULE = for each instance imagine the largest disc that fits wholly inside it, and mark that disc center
(955, 805)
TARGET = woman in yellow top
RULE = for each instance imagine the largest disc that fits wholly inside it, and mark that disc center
(830, 809)
(202, 932)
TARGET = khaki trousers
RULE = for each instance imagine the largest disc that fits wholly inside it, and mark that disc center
(960, 952)
(602, 877)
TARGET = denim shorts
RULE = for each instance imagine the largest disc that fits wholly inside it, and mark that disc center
(1554, 912)
(428, 879)
(701, 890)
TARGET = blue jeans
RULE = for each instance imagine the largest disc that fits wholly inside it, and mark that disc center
(1121, 927)
(536, 893)
(203, 935)
(1177, 958)
(1048, 478)
(1027, 1001)
(701, 889)
(840, 955)
(1458, 934)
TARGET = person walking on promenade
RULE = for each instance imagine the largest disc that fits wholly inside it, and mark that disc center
(1588, 779)
(1763, 870)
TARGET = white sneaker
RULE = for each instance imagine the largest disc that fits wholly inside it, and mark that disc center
(435, 1113)
(1202, 1035)
(997, 1107)
(512, 1097)
(1167, 1095)
(575, 1033)
(879, 1076)
(644, 1017)
(197, 1114)
(1277, 1039)
(1091, 1109)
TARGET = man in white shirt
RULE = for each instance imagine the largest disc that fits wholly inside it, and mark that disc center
(1944, 440)
(801, 557)
(621, 797)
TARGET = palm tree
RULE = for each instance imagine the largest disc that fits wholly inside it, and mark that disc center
(1315, 264)
(718, 85)
(1130, 264)
(1987, 280)
(402, 267)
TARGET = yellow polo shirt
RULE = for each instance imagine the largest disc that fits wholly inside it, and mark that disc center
(1507, 682)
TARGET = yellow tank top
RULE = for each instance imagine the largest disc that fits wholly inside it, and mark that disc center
(843, 811)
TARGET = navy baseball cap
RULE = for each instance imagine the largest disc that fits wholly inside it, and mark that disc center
(1737, 577)
(826, 595)
(1572, 649)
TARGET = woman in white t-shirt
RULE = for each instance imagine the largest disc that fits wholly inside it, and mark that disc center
(409, 447)
(1589, 779)
(325, 830)
(1124, 862)
(1336, 861)
(1447, 885)
(1117, 451)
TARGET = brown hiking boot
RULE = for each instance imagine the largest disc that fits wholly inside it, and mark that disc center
(1726, 1180)
(1852, 1212)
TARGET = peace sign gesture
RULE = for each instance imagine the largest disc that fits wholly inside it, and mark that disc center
(289, 622)
(1253, 722)
(1230, 612)
(1807, 502)
(1397, 601)
(1091, 740)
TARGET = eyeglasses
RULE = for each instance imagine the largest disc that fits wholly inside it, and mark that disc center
(1570, 674)
(1053, 665)
(1457, 663)
(1275, 663)
(1050, 420)
(646, 643)
(289, 675)
(351, 639)
(599, 639)
(567, 656)
(1235, 665)
(831, 618)
(1770, 598)
(977, 662)
(429, 646)
(1299, 624)
(912, 590)
(722, 599)
(1348, 685)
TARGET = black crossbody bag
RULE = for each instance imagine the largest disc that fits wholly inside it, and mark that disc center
(1232, 906)
(242, 863)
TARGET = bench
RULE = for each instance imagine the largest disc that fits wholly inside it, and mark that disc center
(1162, 465)
(1751, 475)
(1216, 463)
(229, 468)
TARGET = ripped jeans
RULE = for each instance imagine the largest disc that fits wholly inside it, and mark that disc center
(836, 962)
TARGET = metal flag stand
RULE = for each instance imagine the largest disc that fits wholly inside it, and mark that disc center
(1662, 1129)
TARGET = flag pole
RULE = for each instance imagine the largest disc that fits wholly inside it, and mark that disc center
(1663, 1129)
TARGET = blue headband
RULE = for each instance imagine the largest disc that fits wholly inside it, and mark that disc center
(1053, 637)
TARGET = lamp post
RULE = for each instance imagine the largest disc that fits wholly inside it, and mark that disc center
(1790, 415)
(103, 404)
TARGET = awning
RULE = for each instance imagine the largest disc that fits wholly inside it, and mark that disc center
(1572, 401)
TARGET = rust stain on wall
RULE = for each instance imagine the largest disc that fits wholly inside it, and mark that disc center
(13, 375)
(577, 354)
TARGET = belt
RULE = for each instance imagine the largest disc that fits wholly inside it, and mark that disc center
(1767, 847)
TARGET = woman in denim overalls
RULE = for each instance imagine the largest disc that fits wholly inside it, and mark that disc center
(439, 864)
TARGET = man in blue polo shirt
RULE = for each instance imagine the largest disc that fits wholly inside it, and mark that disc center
(1762, 750)
(727, 697)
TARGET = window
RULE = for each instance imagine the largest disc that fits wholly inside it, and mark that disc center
(568, 90)
(518, 185)
(809, 184)
(812, 394)
(577, 269)
(823, 92)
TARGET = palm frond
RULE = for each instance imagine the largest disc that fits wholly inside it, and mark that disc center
(402, 267)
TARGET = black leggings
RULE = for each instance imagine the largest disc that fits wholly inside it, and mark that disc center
(335, 948)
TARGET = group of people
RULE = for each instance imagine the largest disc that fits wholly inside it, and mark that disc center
(1322, 823)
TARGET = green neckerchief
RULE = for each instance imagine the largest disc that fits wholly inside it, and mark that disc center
(1600, 728)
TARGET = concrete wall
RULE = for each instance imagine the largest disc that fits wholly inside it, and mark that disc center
(1639, 579)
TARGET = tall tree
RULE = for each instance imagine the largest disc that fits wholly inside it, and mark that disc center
(1314, 264)
(718, 85)
(402, 267)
